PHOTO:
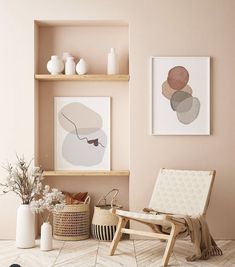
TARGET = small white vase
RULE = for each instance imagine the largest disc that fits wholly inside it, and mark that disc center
(112, 65)
(70, 66)
(25, 227)
(65, 56)
(46, 237)
(81, 67)
(55, 65)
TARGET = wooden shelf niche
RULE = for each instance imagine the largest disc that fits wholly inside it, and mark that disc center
(92, 41)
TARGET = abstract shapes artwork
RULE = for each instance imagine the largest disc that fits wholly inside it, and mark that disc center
(176, 89)
(82, 133)
(180, 95)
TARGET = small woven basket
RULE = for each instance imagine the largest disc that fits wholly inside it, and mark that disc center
(72, 222)
(104, 222)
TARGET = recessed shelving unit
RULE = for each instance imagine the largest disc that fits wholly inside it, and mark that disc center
(122, 173)
(87, 77)
(92, 41)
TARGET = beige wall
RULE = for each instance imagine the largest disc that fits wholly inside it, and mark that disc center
(157, 27)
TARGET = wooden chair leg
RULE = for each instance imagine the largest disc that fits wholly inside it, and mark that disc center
(170, 245)
(121, 224)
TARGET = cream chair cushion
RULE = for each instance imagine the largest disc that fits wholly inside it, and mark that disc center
(160, 219)
(144, 217)
(181, 192)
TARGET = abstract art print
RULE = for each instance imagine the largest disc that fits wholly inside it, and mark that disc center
(82, 133)
(180, 95)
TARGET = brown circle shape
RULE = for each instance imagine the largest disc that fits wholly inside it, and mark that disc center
(178, 77)
(167, 91)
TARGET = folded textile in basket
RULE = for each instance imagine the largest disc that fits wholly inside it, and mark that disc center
(74, 198)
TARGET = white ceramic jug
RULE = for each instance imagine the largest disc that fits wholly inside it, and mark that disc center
(55, 65)
(81, 67)
(70, 66)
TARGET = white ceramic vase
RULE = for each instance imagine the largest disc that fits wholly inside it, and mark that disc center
(55, 65)
(112, 64)
(70, 66)
(25, 227)
(81, 67)
(46, 237)
(65, 56)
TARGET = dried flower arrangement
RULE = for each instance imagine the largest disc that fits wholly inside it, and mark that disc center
(49, 201)
(23, 179)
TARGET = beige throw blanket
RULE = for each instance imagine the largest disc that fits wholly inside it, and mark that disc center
(198, 230)
(204, 243)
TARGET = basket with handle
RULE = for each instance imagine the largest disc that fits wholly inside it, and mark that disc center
(72, 222)
(104, 222)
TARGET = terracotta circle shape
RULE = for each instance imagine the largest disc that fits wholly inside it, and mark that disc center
(178, 77)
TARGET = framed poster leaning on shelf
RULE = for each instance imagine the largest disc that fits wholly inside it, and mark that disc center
(82, 133)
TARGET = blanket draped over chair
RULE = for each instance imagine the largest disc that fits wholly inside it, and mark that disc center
(198, 230)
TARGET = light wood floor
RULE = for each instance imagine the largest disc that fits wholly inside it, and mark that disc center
(87, 253)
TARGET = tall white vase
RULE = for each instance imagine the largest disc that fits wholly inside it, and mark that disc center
(46, 237)
(70, 66)
(64, 58)
(112, 64)
(25, 227)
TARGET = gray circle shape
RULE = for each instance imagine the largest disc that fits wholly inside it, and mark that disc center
(185, 105)
(80, 153)
(178, 97)
(191, 115)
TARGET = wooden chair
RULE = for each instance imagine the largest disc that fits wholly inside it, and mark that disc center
(176, 192)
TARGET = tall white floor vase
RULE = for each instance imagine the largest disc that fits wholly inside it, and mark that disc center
(25, 227)
(46, 237)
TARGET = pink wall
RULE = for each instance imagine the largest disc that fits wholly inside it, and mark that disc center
(157, 27)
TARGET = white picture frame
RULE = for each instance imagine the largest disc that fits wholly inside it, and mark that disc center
(82, 133)
(180, 95)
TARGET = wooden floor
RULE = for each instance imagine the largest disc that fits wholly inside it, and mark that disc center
(87, 253)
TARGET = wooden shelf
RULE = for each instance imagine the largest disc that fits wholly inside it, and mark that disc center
(124, 173)
(87, 77)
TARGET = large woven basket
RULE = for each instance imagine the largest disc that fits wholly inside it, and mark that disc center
(72, 223)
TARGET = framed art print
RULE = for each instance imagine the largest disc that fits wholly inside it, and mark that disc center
(180, 95)
(82, 133)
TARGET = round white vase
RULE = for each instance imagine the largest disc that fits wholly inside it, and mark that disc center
(81, 67)
(46, 237)
(70, 66)
(25, 227)
(55, 65)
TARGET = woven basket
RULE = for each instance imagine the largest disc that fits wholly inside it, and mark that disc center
(72, 223)
(104, 223)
